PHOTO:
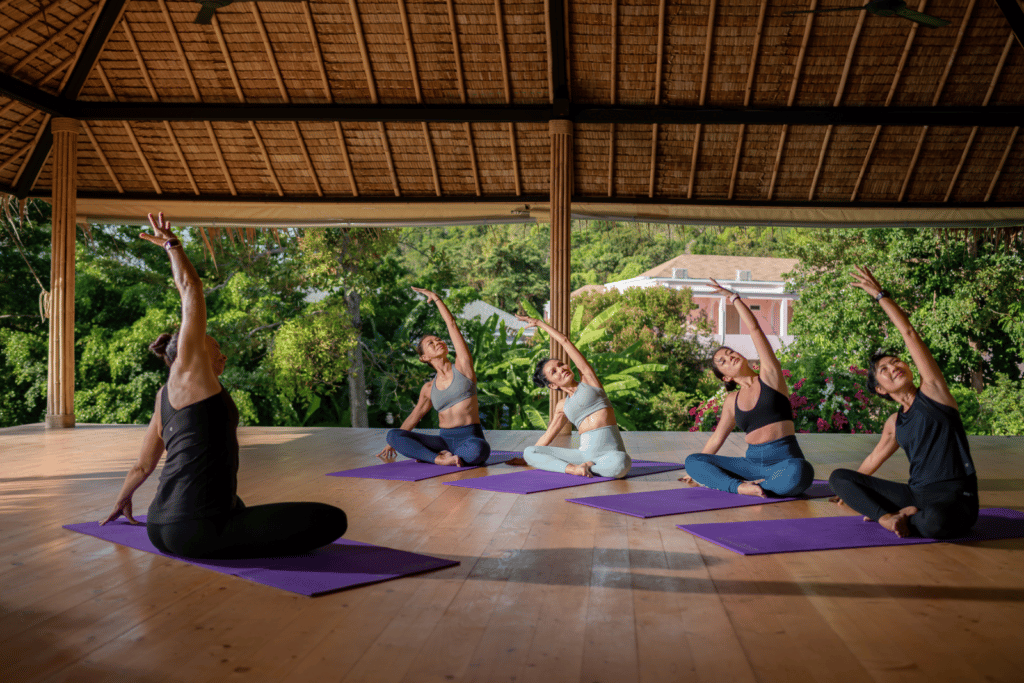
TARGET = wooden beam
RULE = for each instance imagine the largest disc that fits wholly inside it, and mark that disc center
(838, 100)
(364, 53)
(499, 25)
(103, 157)
(472, 158)
(172, 31)
(318, 56)
(386, 145)
(558, 64)
(433, 159)
(457, 50)
(309, 160)
(935, 98)
(142, 156)
(1002, 163)
(658, 75)
(345, 157)
(220, 158)
(614, 90)
(266, 158)
(42, 47)
(705, 73)
(227, 58)
(17, 127)
(560, 198)
(1014, 17)
(974, 131)
(27, 23)
(747, 92)
(792, 95)
(888, 100)
(268, 48)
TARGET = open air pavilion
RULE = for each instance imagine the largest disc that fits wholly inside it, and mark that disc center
(284, 114)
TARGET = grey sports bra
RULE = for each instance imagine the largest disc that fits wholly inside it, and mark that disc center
(458, 391)
(585, 401)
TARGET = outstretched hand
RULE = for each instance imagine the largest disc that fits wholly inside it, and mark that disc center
(161, 227)
(123, 507)
(431, 297)
(719, 288)
(863, 279)
(388, 454)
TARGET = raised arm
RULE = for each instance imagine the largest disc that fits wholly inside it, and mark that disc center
(587, 375)
(149, 455)
(932, 378)
(463, 356)
(193, 355)
(771, 369)
(726, 423)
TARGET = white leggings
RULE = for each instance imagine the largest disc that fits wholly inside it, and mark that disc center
(602, 446)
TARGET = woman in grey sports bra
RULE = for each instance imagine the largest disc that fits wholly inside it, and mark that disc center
(452, 392)
(601, 452)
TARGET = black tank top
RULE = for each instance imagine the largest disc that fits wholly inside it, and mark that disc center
(933, 436)
(199, 479)
(771, 407)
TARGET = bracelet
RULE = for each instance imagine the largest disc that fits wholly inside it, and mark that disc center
(882, 294)
(171, 243)
(734, 298)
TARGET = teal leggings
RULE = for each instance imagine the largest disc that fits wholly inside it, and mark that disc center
(602, 446)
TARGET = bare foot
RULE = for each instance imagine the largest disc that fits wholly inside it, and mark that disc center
(897, 523)
(447, 458)
(580, 470)
(749, 488)
(690, 481)
(517, 462)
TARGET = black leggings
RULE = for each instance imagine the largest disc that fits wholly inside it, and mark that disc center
(271, 530)
(946, 510)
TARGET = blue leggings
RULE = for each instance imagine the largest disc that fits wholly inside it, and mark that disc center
(780, 463)
(467, 442)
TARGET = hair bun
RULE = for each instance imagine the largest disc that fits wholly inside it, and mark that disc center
(159, 347)
(166, 347)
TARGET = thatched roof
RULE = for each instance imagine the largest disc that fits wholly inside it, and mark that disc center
(405, 110)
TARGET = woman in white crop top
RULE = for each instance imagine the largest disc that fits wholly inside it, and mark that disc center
(601, 452)
(452, 391)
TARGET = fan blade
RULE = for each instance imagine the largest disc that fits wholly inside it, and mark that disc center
(925, 19)
(205, 15)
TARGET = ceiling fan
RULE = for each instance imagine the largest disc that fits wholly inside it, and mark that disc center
(209, 7)
(886, 8)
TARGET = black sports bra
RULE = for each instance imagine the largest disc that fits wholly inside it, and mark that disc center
(771, 407)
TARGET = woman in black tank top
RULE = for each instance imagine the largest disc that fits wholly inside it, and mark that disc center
(196, 511)
(774, 463)
(941, 498)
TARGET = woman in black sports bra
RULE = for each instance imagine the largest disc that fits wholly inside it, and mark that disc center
(774, 463)
(196, 511)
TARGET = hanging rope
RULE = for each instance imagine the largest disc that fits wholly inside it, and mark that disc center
(11, 224)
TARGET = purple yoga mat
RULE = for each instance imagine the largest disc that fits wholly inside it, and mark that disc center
(342, 564)
(764, 537)
(414, 470)
(647, 504)
(534, 481)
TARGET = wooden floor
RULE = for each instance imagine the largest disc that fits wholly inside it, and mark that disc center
(546, 590)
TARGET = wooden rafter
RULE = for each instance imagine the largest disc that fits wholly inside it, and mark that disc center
(754, 52)
(24, 148)
(101, 72)
(176, 41)
(1002, 163)
(705, 73)
(276, 68)
(985, 101)
(792, 96)
(318, 56)
(220, 158)
(499, 28)
(418, 91)
(888, 100)
(71, 25)
(472, 159)
(935, 99)
(266, 158)
(457, 51)
(345, 157)
(387, 155)
(227, 59)
(26, 23)
(156, 98)
(102, 156)
(613, 79)
(839, 98)
(658, 75)
(364, 53)
(548, 45)
(31, 147)
(17, 127)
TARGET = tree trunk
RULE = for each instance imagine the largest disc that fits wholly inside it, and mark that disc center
(357, 368)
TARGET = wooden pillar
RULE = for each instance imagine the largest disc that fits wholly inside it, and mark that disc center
(561, 201)
(60, 396)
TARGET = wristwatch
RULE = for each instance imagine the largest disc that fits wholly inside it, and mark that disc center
(172, 243)
(881, 295)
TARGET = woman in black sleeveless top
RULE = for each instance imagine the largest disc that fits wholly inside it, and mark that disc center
(774, 462)
(196, 511)
(941, 498)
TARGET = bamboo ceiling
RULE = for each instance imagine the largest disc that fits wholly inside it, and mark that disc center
(711, 108)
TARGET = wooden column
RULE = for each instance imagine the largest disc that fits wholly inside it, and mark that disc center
(60, 396)
(561, 201)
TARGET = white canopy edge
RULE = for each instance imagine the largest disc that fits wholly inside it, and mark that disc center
(269, 214)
